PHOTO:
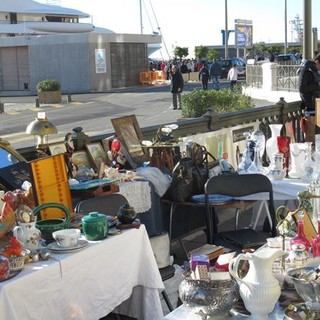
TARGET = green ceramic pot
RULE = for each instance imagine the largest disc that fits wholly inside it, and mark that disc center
(95, 226)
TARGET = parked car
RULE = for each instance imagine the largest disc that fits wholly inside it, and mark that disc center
(289, 58)
(228, 63)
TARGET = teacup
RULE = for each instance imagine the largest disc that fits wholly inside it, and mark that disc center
(66, 238)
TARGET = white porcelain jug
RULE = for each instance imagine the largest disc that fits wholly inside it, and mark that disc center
(259, 289)
(28, 235)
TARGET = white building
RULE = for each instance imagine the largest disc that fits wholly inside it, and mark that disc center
(40, 41)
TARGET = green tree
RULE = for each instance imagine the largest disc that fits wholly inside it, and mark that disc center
(201, 52)
(213, 54)
(275, 49)
(181, 52)
(261, 46)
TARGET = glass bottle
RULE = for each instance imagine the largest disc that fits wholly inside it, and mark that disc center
(300, 237)
(316, 243)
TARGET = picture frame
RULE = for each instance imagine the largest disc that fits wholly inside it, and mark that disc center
(129, 133)
(57, 148)
(81, 159)
(96, 153)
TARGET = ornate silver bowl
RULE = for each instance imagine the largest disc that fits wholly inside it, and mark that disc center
(209, 297)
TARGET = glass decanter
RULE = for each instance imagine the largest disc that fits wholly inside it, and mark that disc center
(309, 164)
(316, 243)
(300, 237)
(246, 159)
(256, 166)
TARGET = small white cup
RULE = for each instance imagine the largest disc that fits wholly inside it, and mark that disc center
(66, 238)
(273, 243)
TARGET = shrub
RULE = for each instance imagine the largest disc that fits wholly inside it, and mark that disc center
(196, 102)
(48, 85)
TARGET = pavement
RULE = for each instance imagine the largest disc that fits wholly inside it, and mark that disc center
(13, 104)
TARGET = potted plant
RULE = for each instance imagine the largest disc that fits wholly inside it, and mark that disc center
(49, 91)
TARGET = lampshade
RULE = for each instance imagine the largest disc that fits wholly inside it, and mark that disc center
(41, 126)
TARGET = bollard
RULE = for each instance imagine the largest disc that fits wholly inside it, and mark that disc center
(1, 107)
(69, 99)
(37, 103)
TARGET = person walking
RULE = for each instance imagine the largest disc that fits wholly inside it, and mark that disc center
(309, 89)
(215, 73)
(204, 77)
(177, 84)
(233, 76)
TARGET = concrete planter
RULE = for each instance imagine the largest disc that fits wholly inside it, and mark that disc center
(49, 96)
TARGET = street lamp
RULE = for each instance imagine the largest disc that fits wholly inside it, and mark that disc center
(226, 33)
(285, 27)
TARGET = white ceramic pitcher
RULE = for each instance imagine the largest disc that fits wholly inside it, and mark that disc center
(259, 289)
(28, 235)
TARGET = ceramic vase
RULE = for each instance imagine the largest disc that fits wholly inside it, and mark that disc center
(272, 142)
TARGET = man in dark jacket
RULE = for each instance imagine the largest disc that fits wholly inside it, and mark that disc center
(204, 77)
(176, 87)
(309, 89)
(215, 73)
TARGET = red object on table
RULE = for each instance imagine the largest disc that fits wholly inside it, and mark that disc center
(284, 147)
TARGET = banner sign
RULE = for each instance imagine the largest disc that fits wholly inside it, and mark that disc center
(243, 33)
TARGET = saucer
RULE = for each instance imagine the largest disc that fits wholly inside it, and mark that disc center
(53, 246)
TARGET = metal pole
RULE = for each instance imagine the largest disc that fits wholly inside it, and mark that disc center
(226, 34)
(307, 22)
(285, 28)
(141, 23)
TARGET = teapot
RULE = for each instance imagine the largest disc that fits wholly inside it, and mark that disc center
(259, 289)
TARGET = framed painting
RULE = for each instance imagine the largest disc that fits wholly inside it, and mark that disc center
(81, 159)
(129, 133)
(57, 148)
(96, 154)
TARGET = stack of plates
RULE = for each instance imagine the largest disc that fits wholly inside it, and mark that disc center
(53, 246)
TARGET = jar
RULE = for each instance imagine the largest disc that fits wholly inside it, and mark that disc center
(298, 255)
(95, 226)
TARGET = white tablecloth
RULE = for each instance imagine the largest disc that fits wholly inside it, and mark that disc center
(95, 280)
(285, 189)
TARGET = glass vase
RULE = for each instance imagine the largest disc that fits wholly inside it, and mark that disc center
(316, 243)
(300, 237)
(284, 148)
(272, 142)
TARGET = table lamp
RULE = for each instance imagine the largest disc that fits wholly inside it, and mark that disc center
(41, 127)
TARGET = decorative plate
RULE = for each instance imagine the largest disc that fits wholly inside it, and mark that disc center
(213, 198)
(11, 275)
(53, 246)
(82, 186)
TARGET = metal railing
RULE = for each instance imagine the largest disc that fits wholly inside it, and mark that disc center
(281, 112)
(254, 76)
(287, 77)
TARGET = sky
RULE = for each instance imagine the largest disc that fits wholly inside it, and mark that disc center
(190, 23)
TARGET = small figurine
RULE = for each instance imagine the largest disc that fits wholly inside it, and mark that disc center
(68, 155)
